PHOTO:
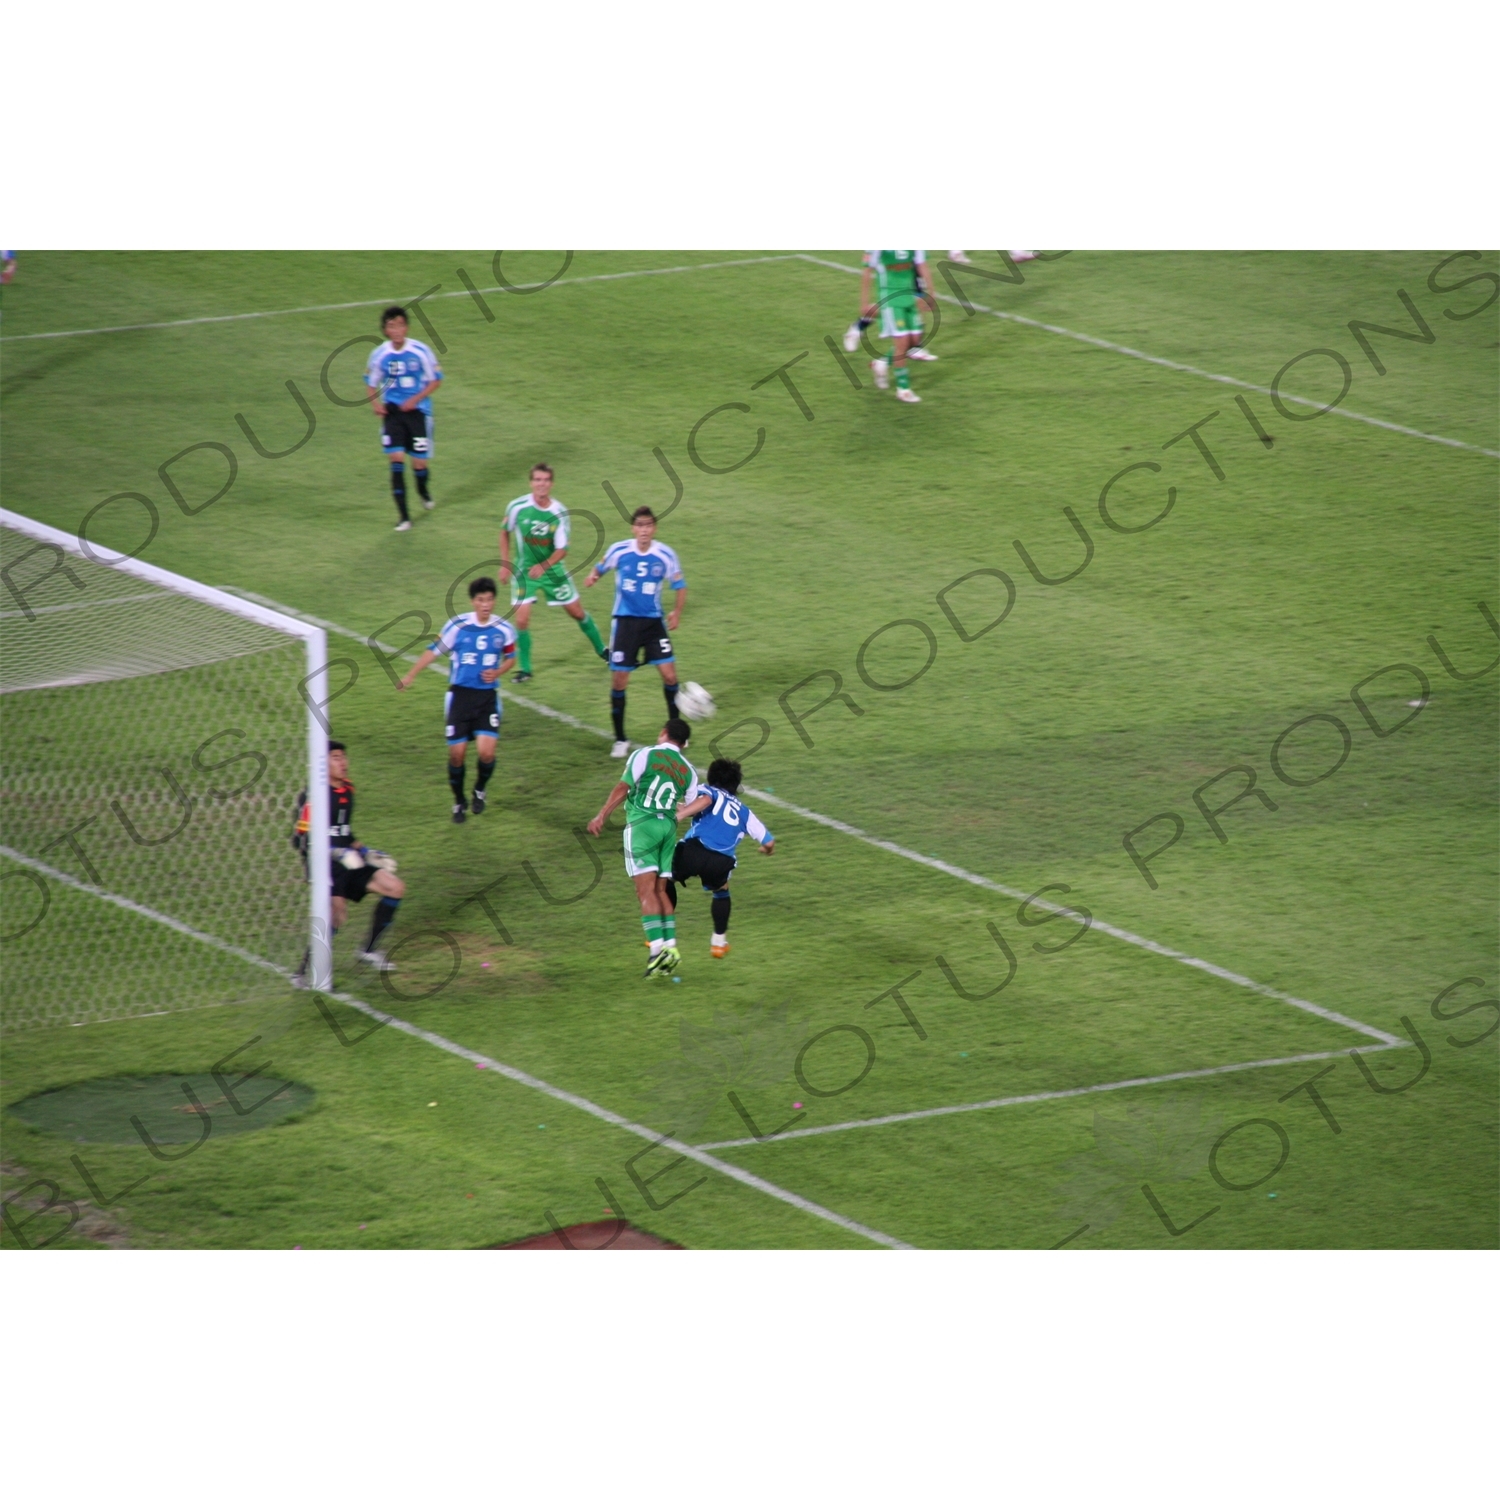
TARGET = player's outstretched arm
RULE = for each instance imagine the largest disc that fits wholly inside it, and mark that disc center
(618, 793)
(422, 663)
(679, 599)
(693, 808)
(866, 307)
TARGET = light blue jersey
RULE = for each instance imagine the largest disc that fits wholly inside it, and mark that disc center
(723, 825)
(398, 374)
(473, 648)
(640, 577)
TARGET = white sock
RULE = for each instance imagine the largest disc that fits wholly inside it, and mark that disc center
(671, 942)
(720, 939)
(656, 946)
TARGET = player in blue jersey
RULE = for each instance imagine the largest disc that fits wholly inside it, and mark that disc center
(402, 375)
(480, 646)
(720, 821)
(644, 569)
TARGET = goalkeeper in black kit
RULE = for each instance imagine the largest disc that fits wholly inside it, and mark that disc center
(354, 869)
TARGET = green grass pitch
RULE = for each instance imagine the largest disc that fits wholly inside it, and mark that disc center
(1284, 575)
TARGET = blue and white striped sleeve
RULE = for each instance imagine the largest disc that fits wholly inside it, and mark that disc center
(448, 635)
(607, 563)
(431, 370)
(678, 581)
(374, 371)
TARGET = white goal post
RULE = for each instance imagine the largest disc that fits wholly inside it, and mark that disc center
(110, 667)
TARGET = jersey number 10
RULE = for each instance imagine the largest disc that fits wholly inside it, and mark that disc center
(661, 793)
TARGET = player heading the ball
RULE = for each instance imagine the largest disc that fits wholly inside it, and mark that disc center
(644, 568)
(402, 375)
(539, 526)
(656, 781)
(480, 647)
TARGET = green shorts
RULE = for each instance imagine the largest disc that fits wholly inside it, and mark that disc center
(554, 586)
(649, 844)
(900, 316)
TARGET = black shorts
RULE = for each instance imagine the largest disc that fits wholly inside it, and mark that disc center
(694, 857)
(407, 432)
(630, 635)
(352, 885)
(469, 712)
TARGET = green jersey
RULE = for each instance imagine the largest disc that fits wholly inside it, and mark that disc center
(661, 778)
(539, 530)
(895, 272)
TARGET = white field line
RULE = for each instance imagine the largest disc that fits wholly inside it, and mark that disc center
(125, 903)
(693, 1153)
(1122, 933)
(1172, 364)
(851, 831)
(287, 312)
(437, 666)
(1093, 1088)
(57, 609)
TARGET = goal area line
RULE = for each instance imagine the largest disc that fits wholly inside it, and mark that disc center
(702, 1155)
(491, 1064)
(1381, 1041)
(699, 1154)
(1122, 934)
(1092, 1088)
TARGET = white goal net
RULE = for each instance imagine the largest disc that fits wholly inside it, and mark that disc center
(154, 735)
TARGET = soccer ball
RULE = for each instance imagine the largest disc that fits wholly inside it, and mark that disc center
(696, 702)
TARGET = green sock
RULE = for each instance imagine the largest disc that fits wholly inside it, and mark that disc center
(591, 630)
(523, 645)
(652, 924)
(903, 378)
(669, 928)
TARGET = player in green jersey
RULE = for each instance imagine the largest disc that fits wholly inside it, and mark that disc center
(538, 526)
(657, 780)
(900, 277)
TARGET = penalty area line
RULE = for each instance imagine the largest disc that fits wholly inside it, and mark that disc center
(287, 312)
(1172, 364)
(491, 1064)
